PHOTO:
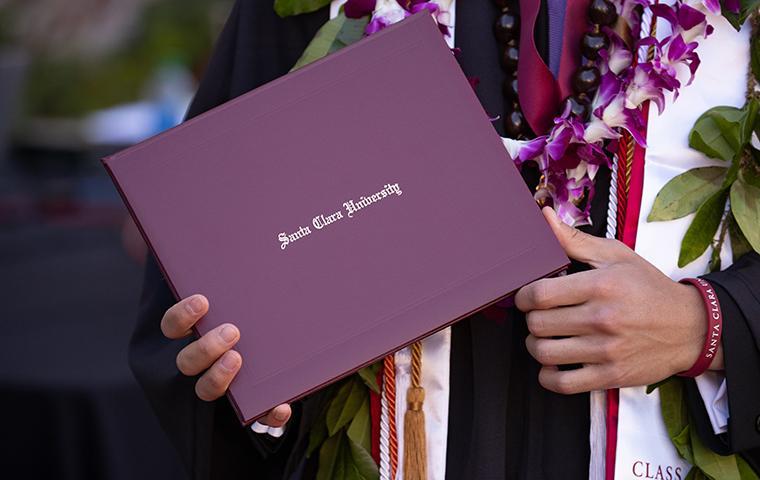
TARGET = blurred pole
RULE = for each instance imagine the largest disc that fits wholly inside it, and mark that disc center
(13, 65)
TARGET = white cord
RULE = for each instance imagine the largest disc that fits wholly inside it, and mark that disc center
(598, 398)
(385, 455)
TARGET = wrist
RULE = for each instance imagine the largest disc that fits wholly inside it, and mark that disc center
(703, 309)
(695, 316)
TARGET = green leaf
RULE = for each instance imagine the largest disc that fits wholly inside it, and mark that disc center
(329, 458)
(717, 467)
(684, 193)
(336, 405)
(745, 470)
(651, 388)
(751, 174)
(751, 111)
(745, 8)
(739, 244)
(682, 442)
(359, 431)
(745, 206)
(702, 229)
(318, 428)
(352, 31)
(754, 52)
(366, 468)
(707, 464)
(674, 411)
(721, 132)
(287, 8)
(317, 436)
(344, 406)
(733, 172)
(332, 36)
(369, 375)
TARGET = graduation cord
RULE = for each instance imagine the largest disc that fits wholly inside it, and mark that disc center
(598, 398)
(388, 438)
(415, 448)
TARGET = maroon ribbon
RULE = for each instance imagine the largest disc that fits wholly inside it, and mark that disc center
(540, 93)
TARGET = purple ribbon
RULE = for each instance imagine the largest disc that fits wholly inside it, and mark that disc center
(540, 93)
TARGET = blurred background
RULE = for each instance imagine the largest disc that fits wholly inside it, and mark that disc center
(80, 79)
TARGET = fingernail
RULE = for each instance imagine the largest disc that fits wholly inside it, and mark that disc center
(280, 415)
(230, 361)
(228, 334)
(195, 305)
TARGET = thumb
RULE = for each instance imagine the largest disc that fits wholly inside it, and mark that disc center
(578, 245)
(278, 416)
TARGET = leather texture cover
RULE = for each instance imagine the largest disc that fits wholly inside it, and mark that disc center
(402, 212)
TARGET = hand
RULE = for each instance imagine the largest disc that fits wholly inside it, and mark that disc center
(211, 355)
(626, 322)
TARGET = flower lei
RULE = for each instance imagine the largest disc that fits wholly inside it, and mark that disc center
(569, 156)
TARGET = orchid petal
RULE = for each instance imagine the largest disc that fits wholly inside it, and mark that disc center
(666, 12)
(557, 144)
(531, 149)
(713, 6)
(609, 88)
(689, 17)
(597, 131)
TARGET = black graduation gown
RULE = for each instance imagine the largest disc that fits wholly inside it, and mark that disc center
(502, 423)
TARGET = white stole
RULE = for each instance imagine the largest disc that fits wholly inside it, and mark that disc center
(644, 450)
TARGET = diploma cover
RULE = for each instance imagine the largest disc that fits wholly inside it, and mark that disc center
(339, 213)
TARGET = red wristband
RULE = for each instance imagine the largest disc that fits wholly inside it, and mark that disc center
(714, 327)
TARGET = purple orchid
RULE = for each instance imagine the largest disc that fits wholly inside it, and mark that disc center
(530, 150)
(617, 57)
(684, 20)
(605, 120)
(644, 86)
(565, 195)
(441, 16)
(388, 12)
(680, 52)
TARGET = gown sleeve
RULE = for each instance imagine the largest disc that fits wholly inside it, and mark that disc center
(738, 289)
(254, 47)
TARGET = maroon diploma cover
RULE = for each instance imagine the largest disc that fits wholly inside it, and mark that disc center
(338, 213)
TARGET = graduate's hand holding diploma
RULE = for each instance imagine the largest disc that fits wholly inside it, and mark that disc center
(625, 321)
(211, 356)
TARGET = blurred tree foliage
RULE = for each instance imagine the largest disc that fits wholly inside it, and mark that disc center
(168, 31)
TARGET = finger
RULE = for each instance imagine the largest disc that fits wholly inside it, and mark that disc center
(278, 416)
(200, 354)
(559, 322)
(183, 315)
(217, 379)
(568, 382)
(554, 292)
(566, 351)
(581, 246)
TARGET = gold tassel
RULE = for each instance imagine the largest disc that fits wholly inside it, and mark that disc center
(415, 447)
